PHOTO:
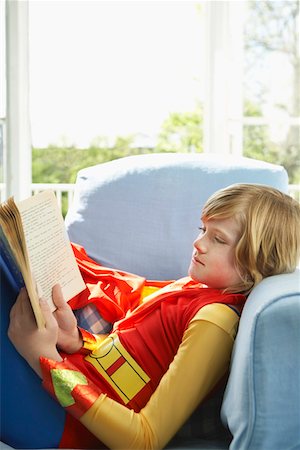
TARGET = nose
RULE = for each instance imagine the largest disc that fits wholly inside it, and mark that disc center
(200, 244)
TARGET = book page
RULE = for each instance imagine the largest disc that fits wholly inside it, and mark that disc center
(13, 241)
(50, 253)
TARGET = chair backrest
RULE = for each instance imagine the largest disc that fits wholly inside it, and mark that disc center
(141, 213)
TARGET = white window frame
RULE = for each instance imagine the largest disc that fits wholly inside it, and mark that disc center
(223, 104)
(17, 168)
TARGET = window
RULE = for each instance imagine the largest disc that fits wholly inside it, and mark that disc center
(126, 77)
(102, 70)
(271, 84)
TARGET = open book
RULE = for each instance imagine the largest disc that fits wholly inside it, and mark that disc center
(36, 250)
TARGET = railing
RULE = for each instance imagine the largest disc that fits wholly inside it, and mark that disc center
(67, 191)
(59, 190)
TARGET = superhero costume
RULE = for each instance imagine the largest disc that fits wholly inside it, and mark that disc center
(127, 388)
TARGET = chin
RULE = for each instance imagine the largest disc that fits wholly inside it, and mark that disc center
(194, 276)
(191, 272)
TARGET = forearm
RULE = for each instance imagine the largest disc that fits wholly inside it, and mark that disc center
(34, 361)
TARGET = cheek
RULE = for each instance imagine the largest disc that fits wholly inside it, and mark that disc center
(226, 265)
(230, 258)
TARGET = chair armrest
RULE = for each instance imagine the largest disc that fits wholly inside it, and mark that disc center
(262, 400)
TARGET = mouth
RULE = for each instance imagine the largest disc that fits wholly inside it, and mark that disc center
(197, 261)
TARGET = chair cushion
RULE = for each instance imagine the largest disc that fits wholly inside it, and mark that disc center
(141, 213)
(262, 399)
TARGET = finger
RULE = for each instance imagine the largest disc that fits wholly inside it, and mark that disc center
(58, 298)
(47, 314)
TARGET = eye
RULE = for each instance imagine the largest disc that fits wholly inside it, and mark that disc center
(202, 230)
(219, 240)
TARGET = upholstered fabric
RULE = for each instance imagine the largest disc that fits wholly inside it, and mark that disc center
(262, 400)
(142, 213)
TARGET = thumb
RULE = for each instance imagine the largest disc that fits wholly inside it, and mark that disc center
(57, 296)
(48, 316)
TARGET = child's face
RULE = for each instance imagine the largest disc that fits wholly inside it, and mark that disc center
(214, 254)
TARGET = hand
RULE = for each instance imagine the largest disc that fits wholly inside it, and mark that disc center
(69, 339)
(30, 341)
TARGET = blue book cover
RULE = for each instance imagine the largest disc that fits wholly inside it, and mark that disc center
(8, 263)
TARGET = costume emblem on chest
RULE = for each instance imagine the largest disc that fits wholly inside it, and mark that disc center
(118, 368)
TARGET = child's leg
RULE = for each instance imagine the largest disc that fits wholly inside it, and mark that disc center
(30, 418)
(89, 318)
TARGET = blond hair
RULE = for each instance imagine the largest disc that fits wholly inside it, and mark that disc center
(269, 222)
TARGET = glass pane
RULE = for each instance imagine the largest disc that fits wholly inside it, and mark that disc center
(275, 144)
(102, 70)
(272, 58)
(271, 82)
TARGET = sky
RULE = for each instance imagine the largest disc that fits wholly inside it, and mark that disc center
(107, 68)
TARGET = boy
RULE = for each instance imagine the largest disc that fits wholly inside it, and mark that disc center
(135, 387)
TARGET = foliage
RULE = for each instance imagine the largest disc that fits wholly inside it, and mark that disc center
(182, 132)
(273, 28)
(179, 133)
(258, 145)
(60, 165)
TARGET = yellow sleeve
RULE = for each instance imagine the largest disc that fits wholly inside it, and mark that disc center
(201, 361)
